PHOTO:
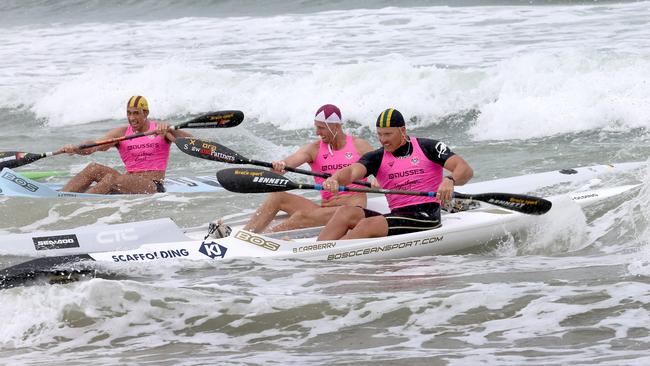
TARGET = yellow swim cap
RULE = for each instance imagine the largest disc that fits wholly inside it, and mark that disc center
(138, 101)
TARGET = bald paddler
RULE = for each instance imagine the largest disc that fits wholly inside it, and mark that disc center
(145, 158)
(402, 163)
(332, 151)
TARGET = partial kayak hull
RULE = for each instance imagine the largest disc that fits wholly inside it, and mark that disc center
(531, 182)
(16, 185)
(92, 238)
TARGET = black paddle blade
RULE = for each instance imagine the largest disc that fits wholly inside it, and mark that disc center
(208, 150)
(220, 119)
(63, 269)
(530, 205)
(14, 159)
(244, 180)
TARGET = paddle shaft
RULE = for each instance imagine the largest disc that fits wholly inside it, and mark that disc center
(517, 202)
(302, 171)
(219, 119)
(319, 187)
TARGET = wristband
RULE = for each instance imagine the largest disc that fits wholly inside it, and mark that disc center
(452, 178)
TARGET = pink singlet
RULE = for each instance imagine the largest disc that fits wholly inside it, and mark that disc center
(144, 153)
(414, 172)
(327, 162)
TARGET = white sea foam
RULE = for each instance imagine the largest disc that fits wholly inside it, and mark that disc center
(428, 62)
(560, 230)
(640, 266)
(514, 99)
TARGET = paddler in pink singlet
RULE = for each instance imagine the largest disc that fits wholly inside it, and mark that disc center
(332, 151)
(145, 158)
(402, 163)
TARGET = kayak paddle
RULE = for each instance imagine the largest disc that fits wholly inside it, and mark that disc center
(220, 119)
(216, 152)
(53, 270)
(243, 180)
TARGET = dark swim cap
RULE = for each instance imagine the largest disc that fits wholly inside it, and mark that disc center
(329, 113)
(390, 118)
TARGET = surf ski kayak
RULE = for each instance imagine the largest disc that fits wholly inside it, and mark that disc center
(479, 224)
(14, 184)
(124, 236)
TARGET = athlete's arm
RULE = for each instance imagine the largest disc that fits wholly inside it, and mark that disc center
(439, 153)
(363, 147)
(367, 164)
(172, 135)
(461, 172)
(371, 161)
(114, 133)
(303, 155)
(344, 176)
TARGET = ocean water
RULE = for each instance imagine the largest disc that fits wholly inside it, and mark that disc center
(515, 87)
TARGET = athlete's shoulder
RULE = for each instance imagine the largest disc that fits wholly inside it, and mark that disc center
(360, 139)
(312, 146)
(372, 160)
(307, 153)
(427, 141)
(362, 145)
(434, 150)
(372, 154)
(432, 143)
(118, 131)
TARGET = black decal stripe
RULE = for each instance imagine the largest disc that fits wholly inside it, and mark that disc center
(209, 181)
(61, 269)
